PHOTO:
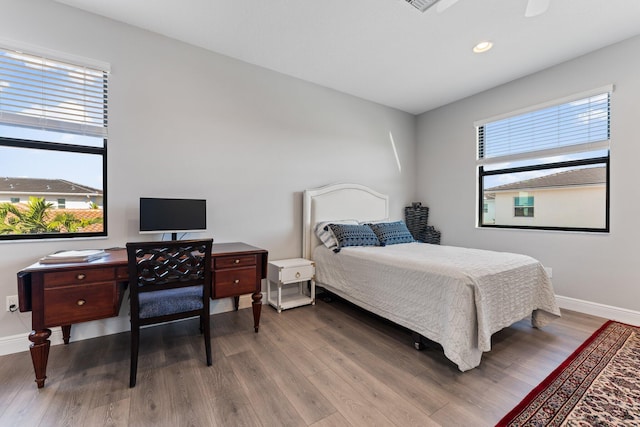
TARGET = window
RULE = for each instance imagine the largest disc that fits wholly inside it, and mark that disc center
(523, 206)
(555, 156)
(53, 154)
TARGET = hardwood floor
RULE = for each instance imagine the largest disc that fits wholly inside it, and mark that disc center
(328, 365)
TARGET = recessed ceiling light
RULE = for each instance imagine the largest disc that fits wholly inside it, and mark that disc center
(482, 46)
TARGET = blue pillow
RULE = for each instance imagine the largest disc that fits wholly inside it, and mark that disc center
(392, 233)
(325, 234)
(353, 235)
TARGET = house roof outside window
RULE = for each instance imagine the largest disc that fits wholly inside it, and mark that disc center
(42, 186)
(570, 178)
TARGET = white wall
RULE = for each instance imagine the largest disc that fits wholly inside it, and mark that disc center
(185, 122)
(599, 268)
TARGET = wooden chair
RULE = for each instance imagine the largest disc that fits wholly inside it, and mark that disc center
(167, 281)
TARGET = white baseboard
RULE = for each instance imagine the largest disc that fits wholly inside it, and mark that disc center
(20, 342)
(113, 325)
(601, 310)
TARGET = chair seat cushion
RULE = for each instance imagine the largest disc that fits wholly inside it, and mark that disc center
(170, 301)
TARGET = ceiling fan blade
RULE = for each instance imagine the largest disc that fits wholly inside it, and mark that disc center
(444, 5)
(536, 7)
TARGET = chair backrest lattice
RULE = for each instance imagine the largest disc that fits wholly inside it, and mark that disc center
(174, 264)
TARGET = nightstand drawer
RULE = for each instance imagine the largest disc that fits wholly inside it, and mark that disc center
(234, 261)
(296, 274)
(80, 303)
(291, 270)
(291, 283)
(234, 282)
(80, 276)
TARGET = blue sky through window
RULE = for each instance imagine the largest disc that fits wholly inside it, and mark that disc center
(81, 168)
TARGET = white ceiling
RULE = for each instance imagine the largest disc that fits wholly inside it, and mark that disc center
(386, 51)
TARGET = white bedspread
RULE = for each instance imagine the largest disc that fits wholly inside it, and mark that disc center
(455, 296)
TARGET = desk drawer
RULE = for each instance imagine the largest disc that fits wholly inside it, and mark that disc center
(79, 276)
(239, 281)
(67, 305)
(122, 273)
(234, 261)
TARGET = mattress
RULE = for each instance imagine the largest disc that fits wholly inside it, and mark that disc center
(455, 296)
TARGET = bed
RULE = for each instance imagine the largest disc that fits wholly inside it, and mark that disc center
(457, 297)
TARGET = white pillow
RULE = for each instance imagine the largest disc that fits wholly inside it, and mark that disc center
(326, 236)
(377, 221)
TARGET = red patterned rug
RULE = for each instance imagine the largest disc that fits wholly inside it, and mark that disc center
(598, 385)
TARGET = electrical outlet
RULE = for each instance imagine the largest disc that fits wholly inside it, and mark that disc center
(12, 300)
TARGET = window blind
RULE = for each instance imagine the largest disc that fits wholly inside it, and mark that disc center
(578, 125)
(44, 93)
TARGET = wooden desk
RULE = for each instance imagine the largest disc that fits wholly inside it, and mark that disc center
(64, 294)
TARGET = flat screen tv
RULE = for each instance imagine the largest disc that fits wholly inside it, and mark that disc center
(161, 215)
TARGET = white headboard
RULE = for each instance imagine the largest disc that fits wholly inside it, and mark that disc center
(336, 202)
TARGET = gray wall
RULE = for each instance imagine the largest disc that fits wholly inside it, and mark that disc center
(185, 122)
(599, 268)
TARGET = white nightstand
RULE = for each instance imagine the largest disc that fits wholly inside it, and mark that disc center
(296, 271)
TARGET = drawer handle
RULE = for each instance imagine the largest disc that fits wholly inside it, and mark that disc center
(297, 274)
(236, 261)
(81, 276)
(81, 302)
(235, 282)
